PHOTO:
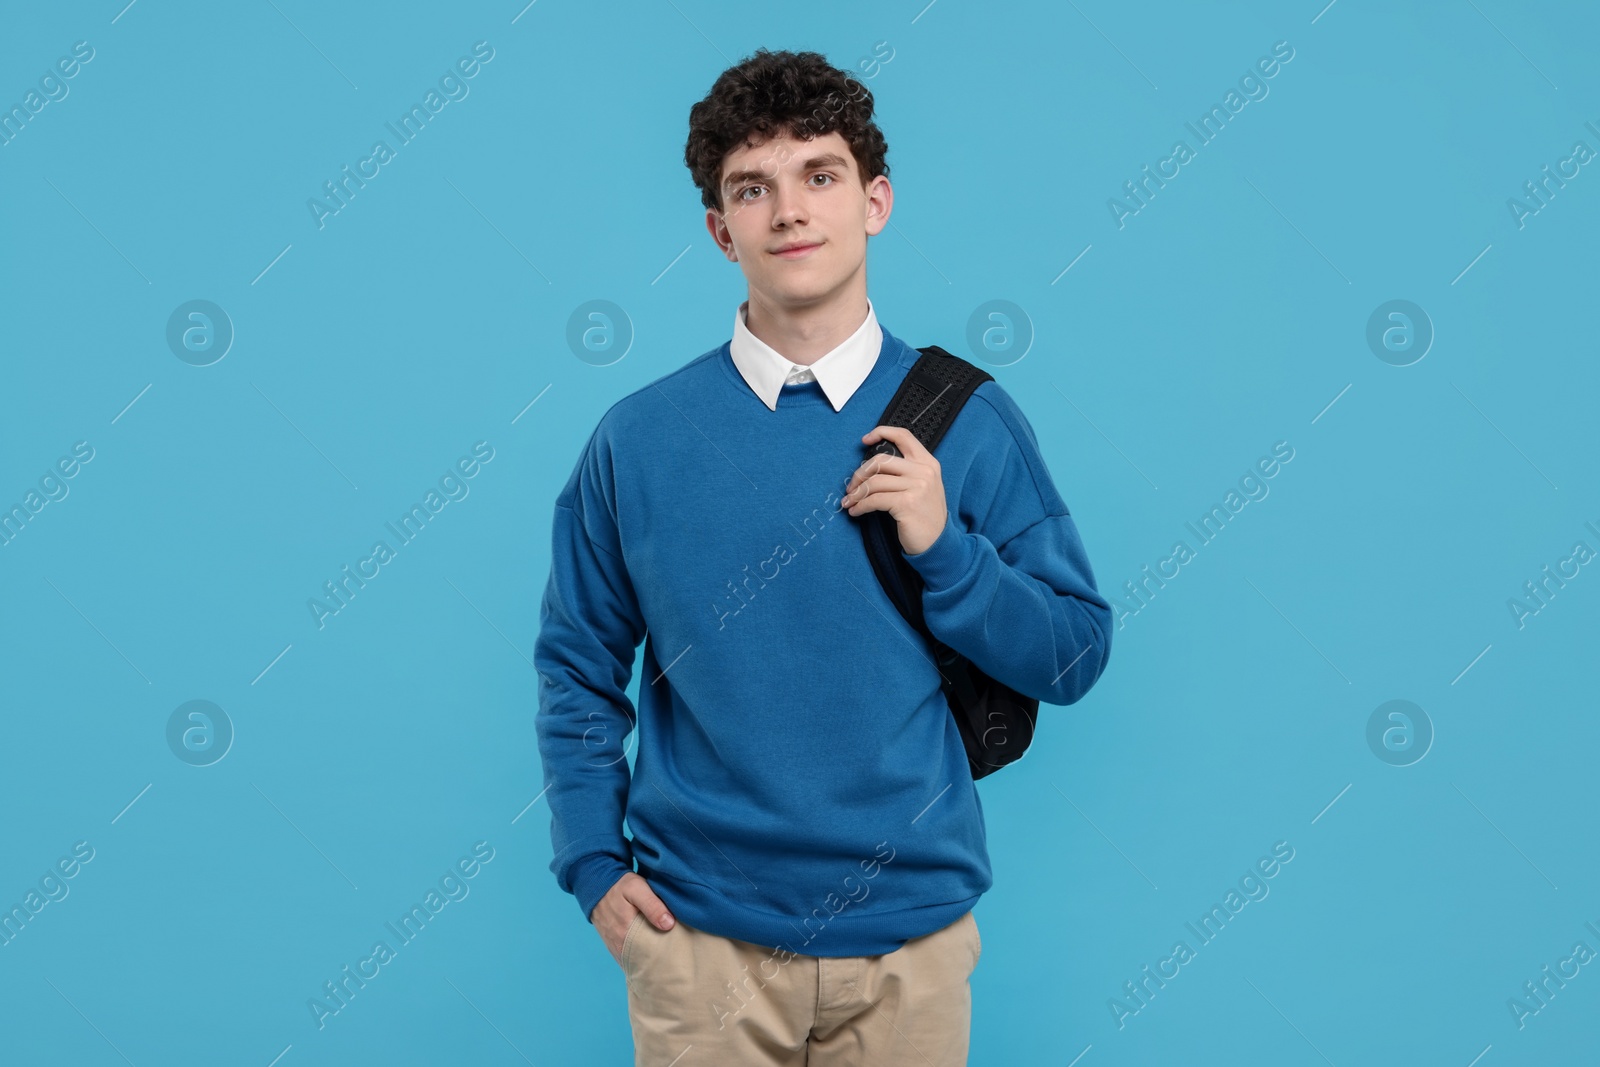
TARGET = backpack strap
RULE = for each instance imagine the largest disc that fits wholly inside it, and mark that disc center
(931, 395)
(927, 402)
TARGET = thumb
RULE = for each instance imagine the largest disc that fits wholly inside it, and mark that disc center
(653, 907)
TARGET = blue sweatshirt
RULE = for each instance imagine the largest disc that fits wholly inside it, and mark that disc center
(800, 782)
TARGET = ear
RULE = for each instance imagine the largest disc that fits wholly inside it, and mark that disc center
(719, 233)
(880, 202)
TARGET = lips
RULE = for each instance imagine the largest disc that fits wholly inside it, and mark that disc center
(797, 251)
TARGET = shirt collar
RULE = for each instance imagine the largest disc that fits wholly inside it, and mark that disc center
(840, 372)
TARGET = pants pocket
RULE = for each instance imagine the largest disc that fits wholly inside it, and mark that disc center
(628, 940)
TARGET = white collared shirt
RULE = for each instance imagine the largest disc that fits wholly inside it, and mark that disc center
(840, 372)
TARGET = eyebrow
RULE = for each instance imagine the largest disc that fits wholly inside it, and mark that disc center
(829, 159)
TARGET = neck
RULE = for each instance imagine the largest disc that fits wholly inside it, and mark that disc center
(805, 334)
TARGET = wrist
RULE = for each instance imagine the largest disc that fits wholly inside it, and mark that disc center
(593, 877)
(943, 562)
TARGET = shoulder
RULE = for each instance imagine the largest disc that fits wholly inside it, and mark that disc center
(629, 423)
(998, 426)
(646, 401)
(1004, 410)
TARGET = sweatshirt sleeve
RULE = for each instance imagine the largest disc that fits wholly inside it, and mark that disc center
(1025, 610)
(589, 628)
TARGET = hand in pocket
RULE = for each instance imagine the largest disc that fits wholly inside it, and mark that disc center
(631, 896)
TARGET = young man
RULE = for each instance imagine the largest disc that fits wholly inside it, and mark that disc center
(809, 839)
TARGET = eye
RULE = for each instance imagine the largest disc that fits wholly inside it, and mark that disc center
(824, 175)
(746, 189)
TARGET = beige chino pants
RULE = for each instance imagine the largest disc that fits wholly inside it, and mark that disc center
(699, 1000)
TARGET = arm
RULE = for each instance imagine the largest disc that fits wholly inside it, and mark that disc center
(1027, 613)
(589, 627)
(1011, 588)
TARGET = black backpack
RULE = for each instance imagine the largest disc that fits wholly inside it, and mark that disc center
(996, 721)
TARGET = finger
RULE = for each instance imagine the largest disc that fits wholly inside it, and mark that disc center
(655, 912)
(883, 496)
(906, 478)
(903, 439)
(885, 464)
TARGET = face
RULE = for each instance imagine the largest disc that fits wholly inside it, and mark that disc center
(806, 194)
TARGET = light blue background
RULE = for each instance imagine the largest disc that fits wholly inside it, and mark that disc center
(1227, 315)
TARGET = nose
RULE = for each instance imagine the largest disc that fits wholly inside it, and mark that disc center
(789, 207)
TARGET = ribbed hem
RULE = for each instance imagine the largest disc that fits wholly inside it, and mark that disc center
(844, 934)
(593, 876)
(944, 562)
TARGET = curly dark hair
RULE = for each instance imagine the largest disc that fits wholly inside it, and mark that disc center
(775, 92)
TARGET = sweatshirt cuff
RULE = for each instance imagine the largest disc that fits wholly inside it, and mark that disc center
(593, 876)
(949, 557)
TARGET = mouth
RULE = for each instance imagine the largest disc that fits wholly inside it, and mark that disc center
(797, 251)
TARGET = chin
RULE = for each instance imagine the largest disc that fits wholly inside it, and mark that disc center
(807, 291)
